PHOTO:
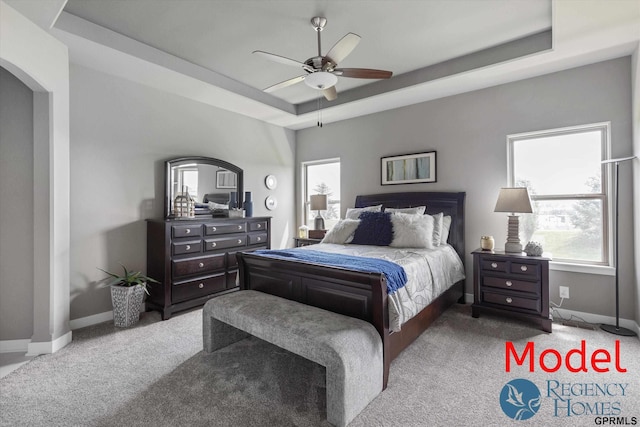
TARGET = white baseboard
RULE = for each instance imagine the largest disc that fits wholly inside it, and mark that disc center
(597, 319)
(14, 346)
(83, 322)
(47, 347)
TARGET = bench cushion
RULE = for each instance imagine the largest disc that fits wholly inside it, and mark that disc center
(349, 348)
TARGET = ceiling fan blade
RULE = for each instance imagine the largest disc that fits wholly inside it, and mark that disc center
(285, 83)
(362, 73)
(330, 93)
(345, 45)
(278, 58)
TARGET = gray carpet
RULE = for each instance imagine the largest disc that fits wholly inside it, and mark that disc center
(156, 374)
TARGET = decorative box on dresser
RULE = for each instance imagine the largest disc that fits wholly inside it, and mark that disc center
(195, 259)
(513, 284)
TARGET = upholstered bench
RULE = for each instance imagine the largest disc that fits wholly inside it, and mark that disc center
(350, 349)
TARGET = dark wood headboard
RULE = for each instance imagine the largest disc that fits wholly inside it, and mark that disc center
(447, 203)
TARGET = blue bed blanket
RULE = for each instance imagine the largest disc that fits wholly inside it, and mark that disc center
(394, 273)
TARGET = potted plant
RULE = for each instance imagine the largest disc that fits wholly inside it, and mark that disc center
(127, 294)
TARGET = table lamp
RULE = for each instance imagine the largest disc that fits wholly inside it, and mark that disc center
(513, 200)
(319, 203)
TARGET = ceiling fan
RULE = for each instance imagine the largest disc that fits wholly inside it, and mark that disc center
(321, 72)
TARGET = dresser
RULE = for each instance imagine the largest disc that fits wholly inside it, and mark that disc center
(511, 284)
(195, 259)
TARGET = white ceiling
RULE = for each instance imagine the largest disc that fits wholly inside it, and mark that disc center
(201, 49)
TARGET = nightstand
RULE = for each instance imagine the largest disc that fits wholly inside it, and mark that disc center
(306, 242)
(512, 284)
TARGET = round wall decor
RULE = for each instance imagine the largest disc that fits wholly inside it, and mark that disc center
(271, 182)
(271, 203)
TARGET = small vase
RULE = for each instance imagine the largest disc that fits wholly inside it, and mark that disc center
(487, 243)
(248, 204)
(233, 200)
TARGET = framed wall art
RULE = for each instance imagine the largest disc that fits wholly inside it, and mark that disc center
(409, 168)
(226, 179)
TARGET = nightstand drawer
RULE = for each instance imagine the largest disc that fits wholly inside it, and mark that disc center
(511, 301)
(494, 265)
(511, 284)
(530, 270)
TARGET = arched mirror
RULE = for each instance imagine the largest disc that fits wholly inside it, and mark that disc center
(214, 184)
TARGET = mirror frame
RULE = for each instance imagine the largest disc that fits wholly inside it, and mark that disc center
(200, 160)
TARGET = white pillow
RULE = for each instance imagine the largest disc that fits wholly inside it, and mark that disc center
(354, 213)
(412, 231)
(342, 232)
(446, 226)
(437, 228)
(418, 210)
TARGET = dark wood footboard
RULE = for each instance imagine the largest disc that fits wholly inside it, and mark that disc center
(358, 294)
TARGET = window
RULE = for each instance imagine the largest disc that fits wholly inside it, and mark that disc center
(322, 177)
(568, 188)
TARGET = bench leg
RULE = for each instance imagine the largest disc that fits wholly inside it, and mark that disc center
(217, 334)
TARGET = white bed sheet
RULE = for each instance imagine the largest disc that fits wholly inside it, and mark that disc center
(430, 272)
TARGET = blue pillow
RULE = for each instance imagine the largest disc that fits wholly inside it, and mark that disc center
(375, 228)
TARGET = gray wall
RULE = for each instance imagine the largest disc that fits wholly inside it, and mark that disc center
(469, 131)
(16, 208)
(121, 133)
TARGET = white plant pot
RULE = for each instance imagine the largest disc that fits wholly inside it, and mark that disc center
(126, 301)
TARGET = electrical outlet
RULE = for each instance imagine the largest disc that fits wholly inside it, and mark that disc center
(564, 292)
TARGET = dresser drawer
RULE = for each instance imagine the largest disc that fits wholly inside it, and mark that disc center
(512, 301)
(223, 243)
(186, 230)
(198, 265)
(258, 226)
(188, 290)
(494, 265)
(190, 247)
(214, 229)
(257, 238)
(525, 269)
(511, 284)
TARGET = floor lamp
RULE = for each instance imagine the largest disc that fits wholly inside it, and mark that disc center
(611, 328)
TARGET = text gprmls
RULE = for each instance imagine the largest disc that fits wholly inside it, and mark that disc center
(551, 360)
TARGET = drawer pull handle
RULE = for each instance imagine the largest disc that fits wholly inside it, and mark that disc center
(213, 244)
(509, 283)
(523, 267)
(494, 265)
(201, 285)
(187, 247)
(239, 227)
(509, 300)
(259, 225)
(201, 265)
(259, 238)
(188, 231)
(239, 241)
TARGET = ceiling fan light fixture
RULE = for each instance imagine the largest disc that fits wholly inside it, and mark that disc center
(321, 80)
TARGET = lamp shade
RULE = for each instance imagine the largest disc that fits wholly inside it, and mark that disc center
(318, 202)
(513, 199)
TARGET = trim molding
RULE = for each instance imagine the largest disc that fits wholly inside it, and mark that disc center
(90, 320)
(597, 319)
(47, 347)
(14, 346)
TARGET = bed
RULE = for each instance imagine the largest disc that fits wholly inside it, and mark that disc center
(361, 294)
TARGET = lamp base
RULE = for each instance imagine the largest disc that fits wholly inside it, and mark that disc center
(612, 329)
(511, 247)
(319, 223)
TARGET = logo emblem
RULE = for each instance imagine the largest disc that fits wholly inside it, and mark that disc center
(520, 399)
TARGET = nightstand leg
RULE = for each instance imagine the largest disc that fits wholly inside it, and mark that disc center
(546, 325)
(475, 312)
